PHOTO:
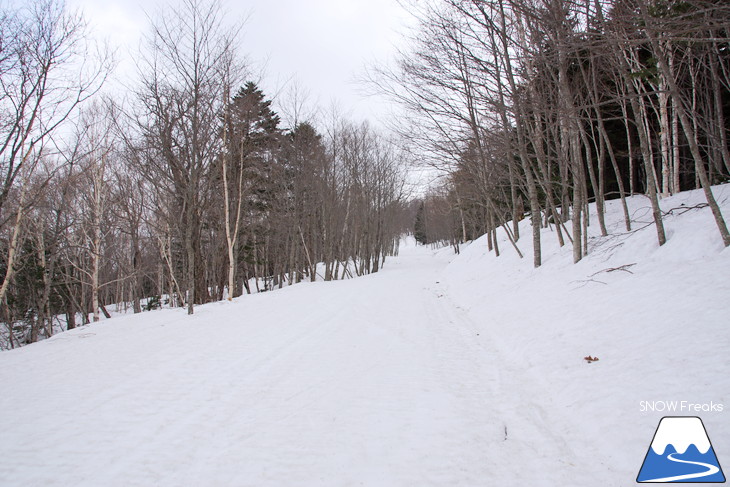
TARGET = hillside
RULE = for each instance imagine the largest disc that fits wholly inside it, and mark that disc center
(438, 370)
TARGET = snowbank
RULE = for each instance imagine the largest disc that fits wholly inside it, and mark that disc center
(658, 318)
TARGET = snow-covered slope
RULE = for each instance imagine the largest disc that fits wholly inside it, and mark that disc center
(661, 329)
(439, 370)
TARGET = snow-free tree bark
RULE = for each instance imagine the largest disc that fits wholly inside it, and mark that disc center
(47, 69)
(669, 77)
(182, 94)
(250, 135)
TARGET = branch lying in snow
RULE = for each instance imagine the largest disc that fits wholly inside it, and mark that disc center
(587, 281)
(624, 268)
(684, 209)
(605, 244)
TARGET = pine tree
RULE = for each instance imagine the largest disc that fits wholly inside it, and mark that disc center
(251, 136)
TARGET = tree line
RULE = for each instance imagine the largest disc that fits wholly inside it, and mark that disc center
(539, 107)
(187, 190)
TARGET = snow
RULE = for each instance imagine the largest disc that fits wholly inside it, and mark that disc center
(688, 430)
(439, 370)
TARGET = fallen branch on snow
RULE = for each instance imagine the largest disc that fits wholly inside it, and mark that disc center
(684, 209)
(624, 268)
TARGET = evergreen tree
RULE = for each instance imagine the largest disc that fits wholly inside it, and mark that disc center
(251, 138)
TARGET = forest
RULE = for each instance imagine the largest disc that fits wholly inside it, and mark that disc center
(189, 188)
(538, 108)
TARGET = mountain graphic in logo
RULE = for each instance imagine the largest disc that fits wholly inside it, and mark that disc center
(681, 452)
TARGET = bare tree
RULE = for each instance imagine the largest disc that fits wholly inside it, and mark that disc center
(47, 68)
(183, 92)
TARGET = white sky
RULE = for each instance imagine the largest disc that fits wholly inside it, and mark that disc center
(323, 44)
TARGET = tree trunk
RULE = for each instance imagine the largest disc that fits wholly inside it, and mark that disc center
(688, 128)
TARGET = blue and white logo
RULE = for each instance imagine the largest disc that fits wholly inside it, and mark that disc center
(681, 452)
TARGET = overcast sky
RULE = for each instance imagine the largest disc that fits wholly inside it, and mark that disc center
(324, 44)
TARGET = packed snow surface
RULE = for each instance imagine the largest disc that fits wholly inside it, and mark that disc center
(440, 370)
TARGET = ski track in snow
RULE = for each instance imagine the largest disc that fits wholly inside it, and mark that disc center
(383, 384)
(437, 371)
